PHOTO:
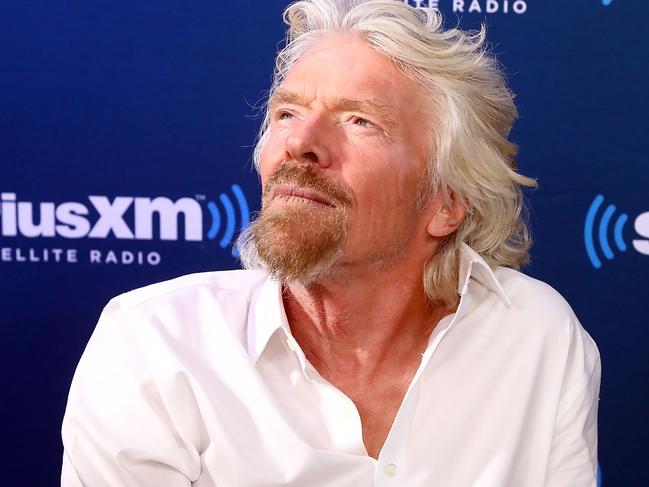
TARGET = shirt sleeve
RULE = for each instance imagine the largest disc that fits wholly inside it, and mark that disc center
(573, 458)
(117, 429)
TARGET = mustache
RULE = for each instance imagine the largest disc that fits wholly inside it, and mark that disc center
(305, 176)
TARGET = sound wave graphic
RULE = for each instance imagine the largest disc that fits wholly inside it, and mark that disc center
(230, 218)
(599, 475)
(602, 231)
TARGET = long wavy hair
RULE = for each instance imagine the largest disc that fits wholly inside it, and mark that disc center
(474, 112)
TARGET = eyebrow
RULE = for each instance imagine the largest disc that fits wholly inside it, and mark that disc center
(341, 104)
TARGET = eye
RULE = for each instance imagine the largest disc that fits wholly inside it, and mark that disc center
(362, 122)
(283, 115)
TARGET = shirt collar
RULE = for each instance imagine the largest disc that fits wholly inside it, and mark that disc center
(474, 267)
(266, 317)
(267, 314)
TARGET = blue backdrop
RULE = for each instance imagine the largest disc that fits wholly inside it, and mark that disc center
(125, 148)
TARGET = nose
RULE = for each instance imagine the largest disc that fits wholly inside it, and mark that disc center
(308, 142)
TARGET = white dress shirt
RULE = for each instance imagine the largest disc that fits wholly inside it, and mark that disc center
(198, 381)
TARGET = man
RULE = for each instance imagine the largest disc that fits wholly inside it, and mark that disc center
(386, 338)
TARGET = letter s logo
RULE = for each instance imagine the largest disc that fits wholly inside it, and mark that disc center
(642, 228)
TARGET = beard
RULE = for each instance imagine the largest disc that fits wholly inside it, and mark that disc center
(302, 240)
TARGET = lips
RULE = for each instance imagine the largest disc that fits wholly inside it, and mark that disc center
(291, 191)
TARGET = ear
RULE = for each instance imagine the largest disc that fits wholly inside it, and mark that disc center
(447, 217)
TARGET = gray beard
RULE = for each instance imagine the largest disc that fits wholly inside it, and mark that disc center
(298, 244)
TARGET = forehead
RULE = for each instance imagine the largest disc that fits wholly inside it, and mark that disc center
(344, 66)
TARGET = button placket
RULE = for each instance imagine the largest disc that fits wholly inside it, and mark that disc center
(292, 344)
(390, 470)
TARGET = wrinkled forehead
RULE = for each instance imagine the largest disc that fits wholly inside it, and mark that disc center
(349, 63)
(344, 72)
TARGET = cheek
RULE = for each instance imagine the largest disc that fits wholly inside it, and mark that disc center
(407, 178)
(374, 193)
(270, 158)
(385, 179)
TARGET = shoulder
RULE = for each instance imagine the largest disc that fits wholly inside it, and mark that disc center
(528, 294)
(153, 352)
(537, 303)
(208, 307)
(545, 315)
(216, 283)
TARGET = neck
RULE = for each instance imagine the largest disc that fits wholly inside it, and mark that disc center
(362, 319)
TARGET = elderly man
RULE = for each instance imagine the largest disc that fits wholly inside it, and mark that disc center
(385, 337)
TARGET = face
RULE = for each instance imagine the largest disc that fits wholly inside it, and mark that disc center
(343, 164)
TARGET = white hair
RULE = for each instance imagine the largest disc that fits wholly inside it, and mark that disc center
(473, 114)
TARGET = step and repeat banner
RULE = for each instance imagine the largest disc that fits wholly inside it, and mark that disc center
(126, 132)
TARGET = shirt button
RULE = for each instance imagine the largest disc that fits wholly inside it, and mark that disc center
(292, 344)
(390, 470)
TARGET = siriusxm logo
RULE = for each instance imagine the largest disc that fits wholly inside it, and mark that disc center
(518, 7)
(599, 226)
(230, 219)
(76, 220)
(599, 475)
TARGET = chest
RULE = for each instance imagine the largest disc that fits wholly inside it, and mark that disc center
(377, 398)
(302, 430)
